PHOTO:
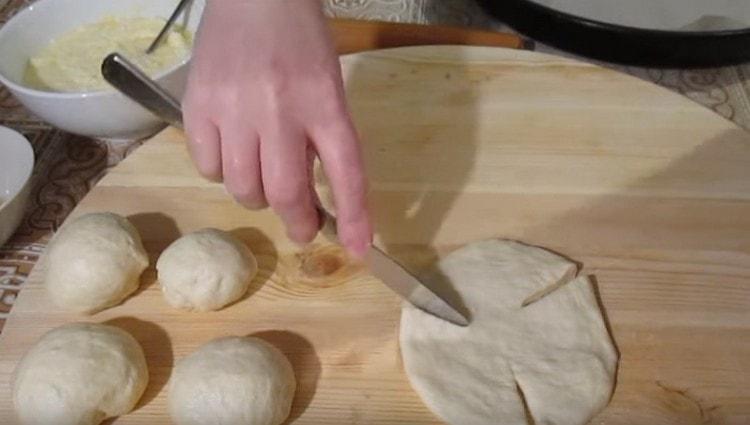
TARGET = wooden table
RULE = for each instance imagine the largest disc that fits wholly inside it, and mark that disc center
(649, 191)
(68, 166)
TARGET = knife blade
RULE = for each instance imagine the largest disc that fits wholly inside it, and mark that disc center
(132, 82)
(401, 281)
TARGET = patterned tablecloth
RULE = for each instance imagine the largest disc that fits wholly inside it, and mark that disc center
(67, 166)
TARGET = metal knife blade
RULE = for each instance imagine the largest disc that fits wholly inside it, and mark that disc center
(401, 281)
(133, 83)
(129, 80)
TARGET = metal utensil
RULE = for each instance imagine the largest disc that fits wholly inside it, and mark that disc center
(135, 84)
(130, 81)
(400, 281)
(167, 26)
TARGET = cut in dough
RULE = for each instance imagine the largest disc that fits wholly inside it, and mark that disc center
(79, 374)
(552, 359)
(95, 262)
(205, 270)
(232, 381)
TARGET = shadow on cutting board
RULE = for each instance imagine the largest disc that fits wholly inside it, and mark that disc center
(157, 231)
(265, 253)
(305, 362)
(158, 350)
(418, 119)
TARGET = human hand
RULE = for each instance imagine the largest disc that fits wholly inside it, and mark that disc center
(264, 97)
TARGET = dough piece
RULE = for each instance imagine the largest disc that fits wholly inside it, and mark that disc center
(79, 374)
(205, 270)
(232, 381)
(552, 359)
(95, 262)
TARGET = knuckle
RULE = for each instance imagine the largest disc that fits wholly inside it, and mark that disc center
(274, 86)
(342, 129)
(245, 191)
(209, 170)
(197, 136)
(280, 89)
(331, 84)
(350, 172)
(196, 101)
(335, 111)
(304, 233)
(289, 197)
(206, 165)
(253, 204)
(355, 185)
(327, 82)
(353, 196)
(226, 98)
(208, 100)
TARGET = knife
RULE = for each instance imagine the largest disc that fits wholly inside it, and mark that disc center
(400, 281)
(133, 83)
(129, 80)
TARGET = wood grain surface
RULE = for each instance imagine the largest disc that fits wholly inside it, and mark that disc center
(650, 192)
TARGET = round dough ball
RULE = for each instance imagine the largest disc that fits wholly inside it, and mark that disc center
(205, 270)
(232, 381)
(95, 262)
(552, 359)
(79, 374)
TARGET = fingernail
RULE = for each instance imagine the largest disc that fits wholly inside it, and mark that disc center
(301, 238)
(359, 251)
(252, 205)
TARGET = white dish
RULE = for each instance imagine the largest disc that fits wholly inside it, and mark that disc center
(102, 114)
(16, 165)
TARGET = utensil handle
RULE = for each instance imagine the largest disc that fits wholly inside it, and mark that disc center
(127, 78)
(167, 25)
(351, 36)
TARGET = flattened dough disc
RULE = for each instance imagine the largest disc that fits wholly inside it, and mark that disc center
(553, 359)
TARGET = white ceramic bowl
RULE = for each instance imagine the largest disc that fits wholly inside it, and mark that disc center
(16, 164)
(103, 114)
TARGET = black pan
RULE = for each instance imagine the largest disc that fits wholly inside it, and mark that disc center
(622, 44)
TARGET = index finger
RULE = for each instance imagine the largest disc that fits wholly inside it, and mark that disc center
(339, 152)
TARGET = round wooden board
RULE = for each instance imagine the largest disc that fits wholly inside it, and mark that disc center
(649, 191)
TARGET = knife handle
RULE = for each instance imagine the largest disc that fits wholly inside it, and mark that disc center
(132, 82)
(351, 36)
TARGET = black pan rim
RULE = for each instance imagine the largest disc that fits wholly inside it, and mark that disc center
(619, 43)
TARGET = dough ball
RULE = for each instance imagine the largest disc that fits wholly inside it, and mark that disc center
(95, 262)
(553, 358)
(79, 374)
(232, 381)
(205, 270)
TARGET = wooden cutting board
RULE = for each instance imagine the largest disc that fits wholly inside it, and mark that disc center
(648, 190)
